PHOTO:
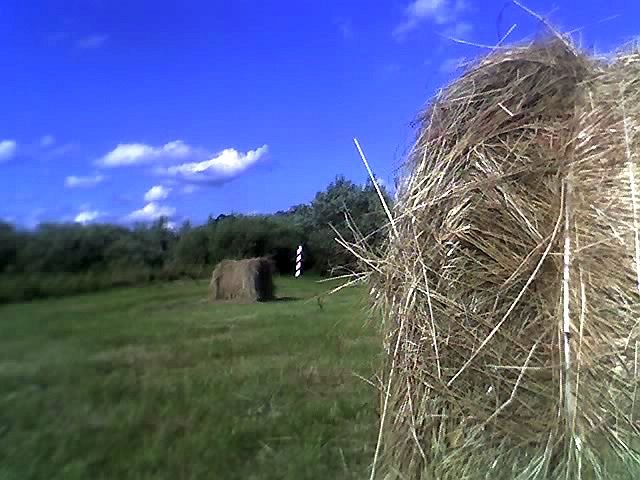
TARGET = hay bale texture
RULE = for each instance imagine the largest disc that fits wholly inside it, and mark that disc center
(243, 280)
(510, 286)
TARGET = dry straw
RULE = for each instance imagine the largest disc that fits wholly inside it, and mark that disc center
(242, 280)
(510, 288)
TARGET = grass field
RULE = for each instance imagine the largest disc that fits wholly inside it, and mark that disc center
(153, 382)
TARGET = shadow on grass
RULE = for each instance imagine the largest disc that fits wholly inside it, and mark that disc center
(283, 299)
(243, 301)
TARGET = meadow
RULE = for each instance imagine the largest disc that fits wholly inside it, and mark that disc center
(153, 382)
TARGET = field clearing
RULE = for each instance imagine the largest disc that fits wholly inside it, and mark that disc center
(153, 382)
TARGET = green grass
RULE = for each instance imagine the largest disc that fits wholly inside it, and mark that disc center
(22, 287)
(153, 382)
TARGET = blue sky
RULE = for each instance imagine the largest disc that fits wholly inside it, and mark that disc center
(123, 110)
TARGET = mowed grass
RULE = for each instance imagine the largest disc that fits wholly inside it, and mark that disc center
(154, 382)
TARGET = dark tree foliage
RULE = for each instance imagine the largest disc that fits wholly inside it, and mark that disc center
(55, 259)
(10, 242)
(327, 214)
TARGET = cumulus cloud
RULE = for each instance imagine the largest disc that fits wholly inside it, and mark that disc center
(74, 181)
(440, 12)
(7, 149)
(47, 140)
(87, 216)
(126, 154)
(223, 166)
(92, 41)
(180, 162)
(151, 211)
(157, 192)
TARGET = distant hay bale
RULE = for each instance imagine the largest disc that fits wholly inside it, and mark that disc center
(243, 280)
(510, 292)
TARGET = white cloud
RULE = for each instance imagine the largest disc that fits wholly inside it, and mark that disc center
(189, 189)
(92, 41)
(53, 150)
(225, 165)
(459, 30)
(450, 65)
(74, 181)
(157, 192)
(47, 140)
(151, 211)
(440, 12)
(126, 154)
(87, 216)
(64, 149)
(7, 149)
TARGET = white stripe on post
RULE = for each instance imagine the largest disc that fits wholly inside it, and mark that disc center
(299, 261)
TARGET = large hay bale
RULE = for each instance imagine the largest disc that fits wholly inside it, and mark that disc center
(249, 280)
(510, 288)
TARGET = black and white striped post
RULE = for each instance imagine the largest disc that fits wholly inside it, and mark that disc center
(299, 261)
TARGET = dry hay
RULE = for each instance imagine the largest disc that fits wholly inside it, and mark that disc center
(246, 280)
(510, 287)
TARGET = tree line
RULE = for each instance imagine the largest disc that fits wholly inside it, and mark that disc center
(58, 259)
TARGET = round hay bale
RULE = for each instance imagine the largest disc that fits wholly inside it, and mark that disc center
(243, 280)
(510, 286)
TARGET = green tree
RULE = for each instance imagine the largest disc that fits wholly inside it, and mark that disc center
(10, 240)
(192, 247)
(329, 210)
